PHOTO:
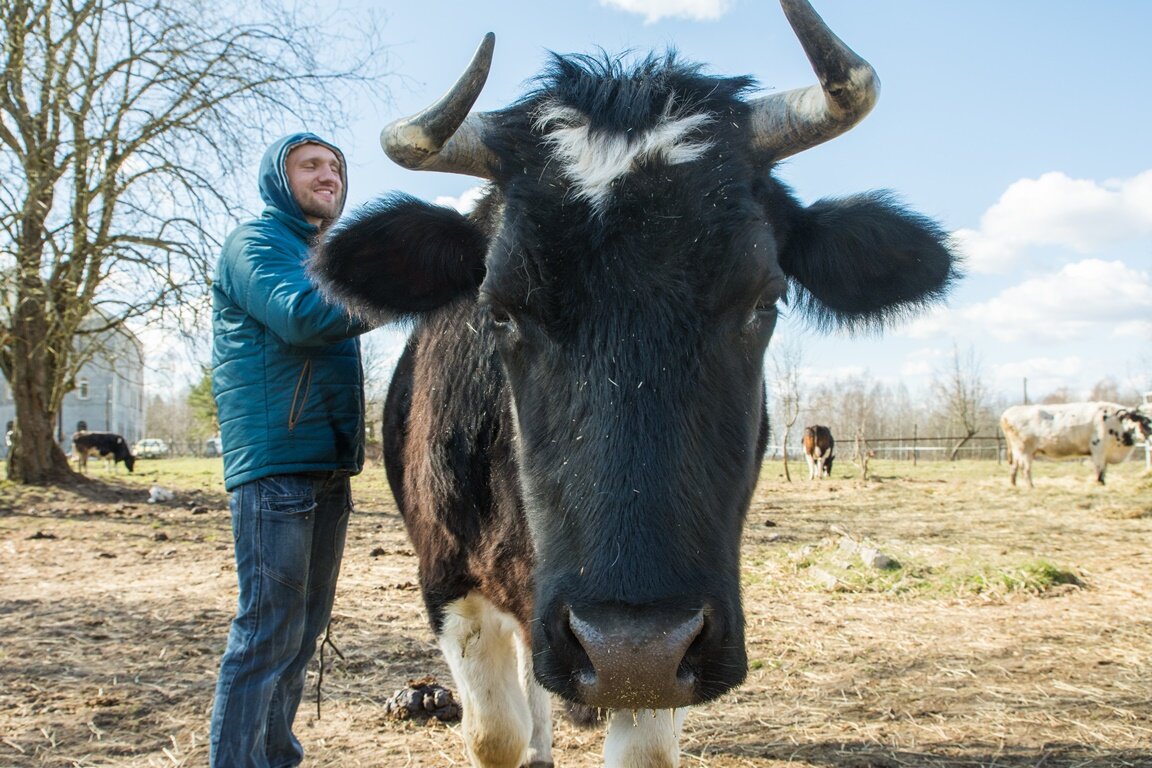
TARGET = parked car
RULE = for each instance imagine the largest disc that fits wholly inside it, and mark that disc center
(150, 448)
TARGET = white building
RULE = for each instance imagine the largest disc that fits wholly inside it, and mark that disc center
(108, 397)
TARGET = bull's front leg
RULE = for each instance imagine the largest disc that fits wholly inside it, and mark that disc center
(644, 738)
(502, 708)
(539, 707)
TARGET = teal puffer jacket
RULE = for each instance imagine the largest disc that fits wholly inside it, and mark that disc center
(286, 363)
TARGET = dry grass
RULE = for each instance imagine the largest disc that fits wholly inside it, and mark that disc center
(1016, 632)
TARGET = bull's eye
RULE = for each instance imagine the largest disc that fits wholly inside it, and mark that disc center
(764, 311)
(502, 319)
(762, 320)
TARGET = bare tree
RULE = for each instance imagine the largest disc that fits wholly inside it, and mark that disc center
(960, 389)
(381, 350)
(1062, 394)
(123, 124)
(785, 362)
(1110, 390)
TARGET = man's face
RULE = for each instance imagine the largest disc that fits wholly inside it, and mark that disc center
(316, 182)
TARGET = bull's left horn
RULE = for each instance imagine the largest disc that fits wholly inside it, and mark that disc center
(445, 137)
(789, 122)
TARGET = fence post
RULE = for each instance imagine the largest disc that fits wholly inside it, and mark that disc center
(915, 438)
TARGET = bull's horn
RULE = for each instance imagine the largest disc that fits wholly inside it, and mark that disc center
(792, 121)
(444, 137)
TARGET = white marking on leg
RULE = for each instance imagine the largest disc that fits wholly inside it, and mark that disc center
(478, 642)
(644, 739)
(539, 706)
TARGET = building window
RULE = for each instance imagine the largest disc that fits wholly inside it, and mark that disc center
(82, 391)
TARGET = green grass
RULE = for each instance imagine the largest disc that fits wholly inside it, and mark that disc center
(975, 491)
(1034, 577)
(828, 567)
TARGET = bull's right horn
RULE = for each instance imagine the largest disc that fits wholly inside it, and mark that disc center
(445, 137)
(789, 122)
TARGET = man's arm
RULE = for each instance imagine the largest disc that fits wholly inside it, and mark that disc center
(272, 286)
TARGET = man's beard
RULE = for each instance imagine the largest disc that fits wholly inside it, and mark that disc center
(320, 209)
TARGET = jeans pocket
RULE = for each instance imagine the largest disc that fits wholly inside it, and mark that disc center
(287, 525)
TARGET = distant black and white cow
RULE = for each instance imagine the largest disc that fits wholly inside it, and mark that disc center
(818, 445)
(1104, 432)
(576, 427)
(111, 446)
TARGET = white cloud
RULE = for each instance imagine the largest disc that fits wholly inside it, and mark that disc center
(1081, 215)
(1141, 330)
(1086, 299)
(922, 365)
(1054, 368)
(915, 369)
(935, 322)
(1039, 376)
(654, 10)
(465, 202)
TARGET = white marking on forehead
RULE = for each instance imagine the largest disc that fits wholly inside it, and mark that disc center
(593, 160)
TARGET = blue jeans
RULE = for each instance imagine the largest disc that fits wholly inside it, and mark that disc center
(289, 535)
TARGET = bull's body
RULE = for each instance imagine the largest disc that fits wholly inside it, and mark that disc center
(818, 447)
(108, 445)
(1104, 432)
(575, 430)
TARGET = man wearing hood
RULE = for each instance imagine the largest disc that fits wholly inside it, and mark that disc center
(289, 393)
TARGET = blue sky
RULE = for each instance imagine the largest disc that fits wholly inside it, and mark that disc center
(1023, 126)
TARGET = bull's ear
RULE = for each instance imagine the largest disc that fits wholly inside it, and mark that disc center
(858, 262)
(400, 256)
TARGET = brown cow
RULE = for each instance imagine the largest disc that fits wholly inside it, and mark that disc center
(818, 444)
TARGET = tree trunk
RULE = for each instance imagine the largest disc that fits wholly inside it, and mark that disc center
(787, 476)
(862, 453)
(36, 458)
(956, 448)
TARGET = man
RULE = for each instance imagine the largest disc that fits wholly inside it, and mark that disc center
(289, 394)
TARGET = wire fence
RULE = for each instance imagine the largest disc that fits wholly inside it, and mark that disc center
(916, 449)
(913, 449)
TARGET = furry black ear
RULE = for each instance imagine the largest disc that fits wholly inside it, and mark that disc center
(399, 256)
(862, 261)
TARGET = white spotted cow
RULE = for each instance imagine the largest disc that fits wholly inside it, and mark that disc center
(1104, 432)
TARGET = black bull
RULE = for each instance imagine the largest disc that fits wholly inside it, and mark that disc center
(575, 429)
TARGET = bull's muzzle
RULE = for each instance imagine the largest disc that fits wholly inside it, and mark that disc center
(637, 657)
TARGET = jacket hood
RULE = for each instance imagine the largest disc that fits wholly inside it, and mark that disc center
(274, 188)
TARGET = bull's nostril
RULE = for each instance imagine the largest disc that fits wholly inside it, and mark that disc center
(566, 644)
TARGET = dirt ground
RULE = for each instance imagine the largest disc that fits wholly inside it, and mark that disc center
(1016, 632)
